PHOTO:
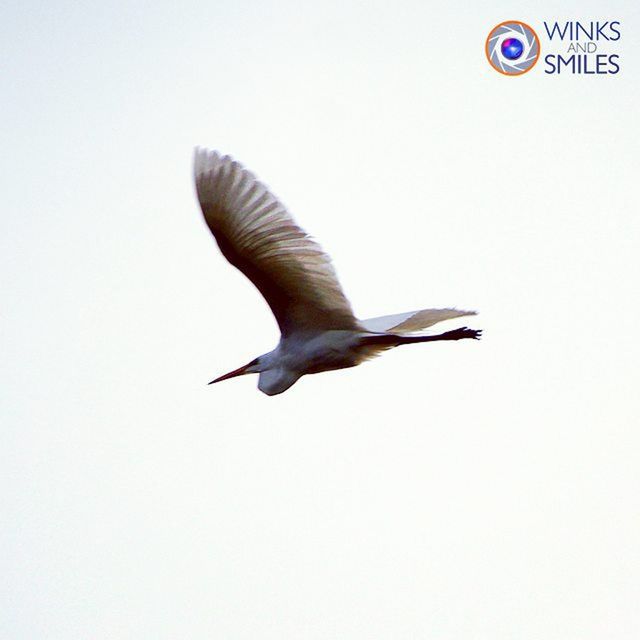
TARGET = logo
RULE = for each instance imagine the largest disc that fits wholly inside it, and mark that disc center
(580, 47)
(512, 48)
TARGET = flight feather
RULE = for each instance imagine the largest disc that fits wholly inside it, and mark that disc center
(410, 321)
(258, 236)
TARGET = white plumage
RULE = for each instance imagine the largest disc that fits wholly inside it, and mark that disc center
(319, 331)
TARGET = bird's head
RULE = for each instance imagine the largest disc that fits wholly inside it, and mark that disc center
(274, 378)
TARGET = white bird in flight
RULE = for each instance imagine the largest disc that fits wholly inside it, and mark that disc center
(319, 331)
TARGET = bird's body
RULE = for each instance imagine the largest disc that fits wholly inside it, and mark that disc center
(303, 354)
(315, 353)
(319, 331)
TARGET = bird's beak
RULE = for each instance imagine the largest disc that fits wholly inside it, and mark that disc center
(232, 374)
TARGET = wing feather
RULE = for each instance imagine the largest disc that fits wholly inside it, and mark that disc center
(411, 321)
(258, 236)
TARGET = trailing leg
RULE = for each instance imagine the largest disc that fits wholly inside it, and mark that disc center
(394, 340)
(456, 334)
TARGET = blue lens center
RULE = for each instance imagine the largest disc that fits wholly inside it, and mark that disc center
(512, 48)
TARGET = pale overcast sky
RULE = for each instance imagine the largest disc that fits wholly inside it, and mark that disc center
(449, 491)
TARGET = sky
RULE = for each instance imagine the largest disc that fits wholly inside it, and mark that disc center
(450, 490)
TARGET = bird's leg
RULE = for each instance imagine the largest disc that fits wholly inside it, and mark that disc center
(458, 334)
(395, 340)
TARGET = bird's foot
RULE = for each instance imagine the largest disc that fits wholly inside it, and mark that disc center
(462, 333)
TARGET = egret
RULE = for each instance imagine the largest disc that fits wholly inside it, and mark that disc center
(319, 331)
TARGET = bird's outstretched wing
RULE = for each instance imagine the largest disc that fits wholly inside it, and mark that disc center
(411, 321)
(257, 235)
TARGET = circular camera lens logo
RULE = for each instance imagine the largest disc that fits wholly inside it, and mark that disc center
(512, 48)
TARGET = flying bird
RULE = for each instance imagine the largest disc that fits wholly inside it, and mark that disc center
(319, 331)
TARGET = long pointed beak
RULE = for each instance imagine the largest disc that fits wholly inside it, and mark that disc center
(241, 371)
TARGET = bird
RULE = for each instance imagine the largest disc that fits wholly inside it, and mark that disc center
(318, 329)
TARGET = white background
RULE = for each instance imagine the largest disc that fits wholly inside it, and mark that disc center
(456, 490)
